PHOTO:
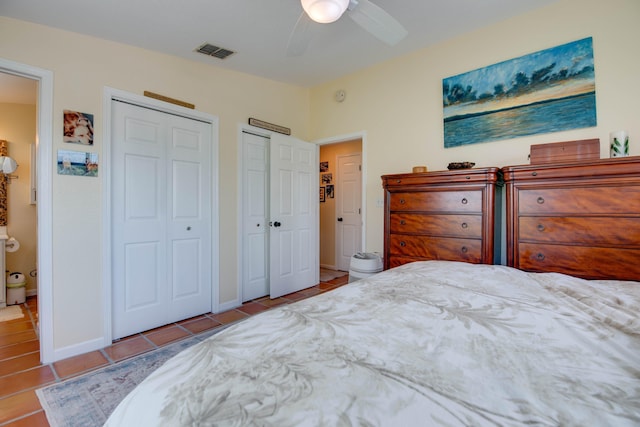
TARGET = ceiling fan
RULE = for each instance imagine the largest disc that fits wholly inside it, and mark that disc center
(364, 13)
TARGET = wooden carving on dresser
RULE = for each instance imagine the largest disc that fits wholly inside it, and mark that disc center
(447, 215)
(581, 219)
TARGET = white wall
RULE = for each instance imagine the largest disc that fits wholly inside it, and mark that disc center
(399, 103)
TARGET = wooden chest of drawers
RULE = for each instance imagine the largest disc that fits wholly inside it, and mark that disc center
(446, 215)
(579, 219)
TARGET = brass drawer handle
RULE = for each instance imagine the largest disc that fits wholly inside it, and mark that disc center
(464, 249)
(464, 201)
(464, 225)
(398, 181)
(402, 202)
(540, 257)
(540, 200)
(403, 244)
(403, 222)
(540, 227)
(534, 173)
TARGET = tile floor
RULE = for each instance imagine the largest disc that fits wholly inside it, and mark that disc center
(21, 372)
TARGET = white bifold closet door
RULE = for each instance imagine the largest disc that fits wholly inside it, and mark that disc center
(161, 218)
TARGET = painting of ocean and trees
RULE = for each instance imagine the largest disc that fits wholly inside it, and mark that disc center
(548, 91)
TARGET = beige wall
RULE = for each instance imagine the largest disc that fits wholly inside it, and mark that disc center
(329, 153)
(399, 103)
(82, 67)
(18, 127)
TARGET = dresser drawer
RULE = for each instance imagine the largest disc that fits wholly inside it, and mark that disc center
(469, 226)
(608, 231)
(437, 201)
(426, 247)
(601, 263)
(594, 200)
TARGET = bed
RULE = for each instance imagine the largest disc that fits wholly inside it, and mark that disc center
(426, 343)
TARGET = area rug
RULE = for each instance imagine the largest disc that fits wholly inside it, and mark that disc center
(89, 399)
(11, 312)
(326, 274)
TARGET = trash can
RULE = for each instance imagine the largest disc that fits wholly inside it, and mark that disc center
(16, 288)
(363, 265)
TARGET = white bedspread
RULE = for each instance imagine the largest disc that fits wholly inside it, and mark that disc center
(431, 343)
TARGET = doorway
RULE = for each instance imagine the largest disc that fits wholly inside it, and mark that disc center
(160, 217)
(44, 158)
(171, 194)
(341, 212)
(278, 236)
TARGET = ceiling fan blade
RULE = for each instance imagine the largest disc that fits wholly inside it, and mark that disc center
(376, 21)
(301, 36)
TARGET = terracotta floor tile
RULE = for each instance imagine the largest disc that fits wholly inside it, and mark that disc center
(18, 405)
(128, 347)
(25, 380)
(199, 325)
(79, 364)
(20, 363)
(229, 316)
(252, 308)
(14, 350)
(17, 337)
(39, 419)
(327, 285)
(295, 296)
(166, 335)
(310, 292)
(273, 302)
(12, 326)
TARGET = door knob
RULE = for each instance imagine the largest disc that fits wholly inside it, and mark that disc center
(339, 219)
(277, 224)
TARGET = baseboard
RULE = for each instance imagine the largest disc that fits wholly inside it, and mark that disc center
(77, 349)
(329, 267)
(31, 292)
(229, 305)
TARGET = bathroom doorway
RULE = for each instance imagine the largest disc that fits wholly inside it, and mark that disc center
(18, 118)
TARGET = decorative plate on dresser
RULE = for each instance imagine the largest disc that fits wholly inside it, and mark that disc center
(581, 219)
(444, 215)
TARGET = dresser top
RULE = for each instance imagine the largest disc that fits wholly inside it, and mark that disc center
(618, 166)
(457, 176)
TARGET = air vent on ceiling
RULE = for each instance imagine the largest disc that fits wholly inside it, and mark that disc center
(211, 50)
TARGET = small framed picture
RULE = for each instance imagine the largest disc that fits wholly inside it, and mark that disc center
(78, 127)
(326, 178)
(324, 166)
(329, 191)
(322, 194)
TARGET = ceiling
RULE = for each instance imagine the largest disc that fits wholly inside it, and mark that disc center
(258, 30)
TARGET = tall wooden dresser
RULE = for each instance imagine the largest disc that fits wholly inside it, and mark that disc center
(447, 215)
(581, 219)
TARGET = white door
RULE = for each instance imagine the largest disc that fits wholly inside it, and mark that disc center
(161, 213)
(348, 209)
(255, 198)
(293, 215)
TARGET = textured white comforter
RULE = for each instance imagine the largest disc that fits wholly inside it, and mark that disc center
(431, 343)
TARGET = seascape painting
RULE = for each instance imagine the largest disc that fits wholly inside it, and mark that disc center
(548, 91)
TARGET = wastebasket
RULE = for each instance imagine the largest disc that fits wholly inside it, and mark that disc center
(363, 265)
(16, 288)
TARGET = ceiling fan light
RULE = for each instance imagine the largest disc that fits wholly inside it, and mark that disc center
(324, 11)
